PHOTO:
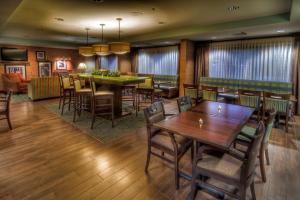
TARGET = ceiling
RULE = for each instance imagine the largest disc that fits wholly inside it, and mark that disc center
(145, 22)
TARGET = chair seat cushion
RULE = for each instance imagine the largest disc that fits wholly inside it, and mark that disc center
(225, 165)
(104, 93)
(247, 130)
(162, 138)
(85, 90)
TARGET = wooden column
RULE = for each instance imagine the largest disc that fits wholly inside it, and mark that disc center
(186, 64)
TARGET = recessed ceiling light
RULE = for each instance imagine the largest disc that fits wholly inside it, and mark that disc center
(98, 1)
(233, 8)
(59, 19)
(161, 23)
(280, 31)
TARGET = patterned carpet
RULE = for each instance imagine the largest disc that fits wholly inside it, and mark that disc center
(19, 98)
(102, 128)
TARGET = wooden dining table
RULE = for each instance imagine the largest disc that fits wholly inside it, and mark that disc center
(210, 123)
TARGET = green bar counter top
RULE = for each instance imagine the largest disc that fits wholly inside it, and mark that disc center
(114, 84)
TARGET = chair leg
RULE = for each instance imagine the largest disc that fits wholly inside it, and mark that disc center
(287, 124)
(243, 191)
(176, 172)
(8, 121)
(93, 113)
(75, 108)
(262, 164)
(192, 152)
(267, 156)
(193, 192)
(63, 103)
(112, 113)
(70, 96)
(60, 98)
(148, 158)
(253, 191)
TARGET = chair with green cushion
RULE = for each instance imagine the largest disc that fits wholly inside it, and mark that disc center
(247, 134)
(192, 91)
(210, 93)
(280, 102)
(184, 103)
(251, 99)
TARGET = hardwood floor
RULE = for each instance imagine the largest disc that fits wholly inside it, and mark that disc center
(46, 158)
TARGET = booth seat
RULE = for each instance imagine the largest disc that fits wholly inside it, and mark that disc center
(43, 88)
(167, 83)
(235, 84)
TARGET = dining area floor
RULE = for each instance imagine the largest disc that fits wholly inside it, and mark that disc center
(44, 157)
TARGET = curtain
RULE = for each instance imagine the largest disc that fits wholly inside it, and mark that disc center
(158, 60)
(257, 59)
(134, 60)
(296, 72)
(201, 61)
(109, 62)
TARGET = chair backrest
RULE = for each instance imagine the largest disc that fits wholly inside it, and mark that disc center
(252, 151)
(210, 93)
(280, 102)
(77, 84)
(147, 84)
(154, 113)
(191, 90)
(249, 98)
(5, 101)
(269, 125)
(184, 103)
(93, 85)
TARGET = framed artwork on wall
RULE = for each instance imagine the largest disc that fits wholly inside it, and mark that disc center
(40, 55)
(21, 69)
(45, 69)
(61, 65)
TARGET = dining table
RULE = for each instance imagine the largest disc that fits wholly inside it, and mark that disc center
(209, 123)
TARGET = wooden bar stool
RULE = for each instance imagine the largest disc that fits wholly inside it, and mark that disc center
(102, 103)
(82, 97)
(66, 93)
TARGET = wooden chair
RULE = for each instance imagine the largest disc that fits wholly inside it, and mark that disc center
(231, 167)
(209, 93)
(174, 145)
(251, 99)
(102, 103)
(66, 93)
(246, 135)
(184, 103)
(192, 90)
(82, 98)
(280, 102)
(5, 107)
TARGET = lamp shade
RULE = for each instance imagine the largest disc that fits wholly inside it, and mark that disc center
(101, 49)
(119, 47)
(86, 51)
(82, 66)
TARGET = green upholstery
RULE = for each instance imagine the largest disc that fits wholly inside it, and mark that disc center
(250, 131)
(280, 105)
(209, 95)
(184, 103)
(173, 80)
(249, 101)
(191, 92)
(266, 86)
(66, 82)
(77, 85)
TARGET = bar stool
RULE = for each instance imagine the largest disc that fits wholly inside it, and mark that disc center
(66, 93)
(102, 103)
(82, 97)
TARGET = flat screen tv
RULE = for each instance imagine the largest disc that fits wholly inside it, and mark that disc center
(14, 54)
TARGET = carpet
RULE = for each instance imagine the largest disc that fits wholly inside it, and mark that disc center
(19, 98)
(102, 128)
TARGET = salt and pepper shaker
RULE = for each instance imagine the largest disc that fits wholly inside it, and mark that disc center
(219, 108)
(200, 122)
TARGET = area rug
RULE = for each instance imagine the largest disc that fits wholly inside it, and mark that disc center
(19, 98)
(102, 128)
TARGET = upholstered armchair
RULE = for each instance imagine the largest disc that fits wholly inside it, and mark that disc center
(14, 82)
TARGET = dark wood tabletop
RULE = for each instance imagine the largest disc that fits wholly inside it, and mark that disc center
(216, 130)
(224, 110)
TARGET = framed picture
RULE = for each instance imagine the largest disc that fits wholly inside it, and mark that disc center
(16, 69)
(61, 65)
(45, 69)
(40, 55)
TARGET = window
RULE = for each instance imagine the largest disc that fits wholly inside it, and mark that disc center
(109, 62)
(261, 59)
(161, 60)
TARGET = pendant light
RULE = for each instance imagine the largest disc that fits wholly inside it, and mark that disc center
(119, 47)
(87, 50)
(101, 49)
